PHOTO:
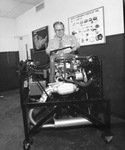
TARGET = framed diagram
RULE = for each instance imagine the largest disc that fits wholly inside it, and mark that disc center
(88, 27)
(40, 39)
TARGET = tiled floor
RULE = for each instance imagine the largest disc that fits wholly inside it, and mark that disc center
(12, 131)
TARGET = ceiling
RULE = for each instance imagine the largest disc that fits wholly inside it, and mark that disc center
(15, 8)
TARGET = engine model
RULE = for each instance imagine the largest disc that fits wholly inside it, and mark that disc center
(70, 75)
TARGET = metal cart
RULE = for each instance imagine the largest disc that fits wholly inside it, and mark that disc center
(85, 106)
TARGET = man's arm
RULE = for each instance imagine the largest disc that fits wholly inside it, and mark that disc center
(48, 49)
(74, 43)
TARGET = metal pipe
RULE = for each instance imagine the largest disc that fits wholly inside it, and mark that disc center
(67, 122)
(48, 126)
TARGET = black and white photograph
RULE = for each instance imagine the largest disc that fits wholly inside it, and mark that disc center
(40, 39)
(62, 74)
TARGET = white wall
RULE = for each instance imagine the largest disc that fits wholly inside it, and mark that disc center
(62, 10)
(7, 33)
(57, 10)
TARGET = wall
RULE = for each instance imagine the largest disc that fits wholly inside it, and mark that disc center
(7, 33)
(8, 70)
(32, 20)
(111, 53)
(9, 56)
(62, 10)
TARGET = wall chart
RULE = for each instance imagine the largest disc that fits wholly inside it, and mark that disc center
(88, 27)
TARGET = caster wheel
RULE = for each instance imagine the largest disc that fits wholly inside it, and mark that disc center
(107, 137)
(26, 146)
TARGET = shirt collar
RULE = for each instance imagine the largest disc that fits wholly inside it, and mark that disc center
(58, 37)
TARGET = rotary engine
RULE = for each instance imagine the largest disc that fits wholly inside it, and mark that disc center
(71, 69)
(70, 75)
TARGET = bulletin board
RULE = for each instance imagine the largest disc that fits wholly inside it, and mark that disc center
(40, 39)
(88, 27)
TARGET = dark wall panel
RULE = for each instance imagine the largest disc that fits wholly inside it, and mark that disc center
(112, 54)
(8, 70)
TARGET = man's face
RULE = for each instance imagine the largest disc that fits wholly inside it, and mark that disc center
(59, 30)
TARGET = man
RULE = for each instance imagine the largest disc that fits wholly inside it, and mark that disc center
(60, 40)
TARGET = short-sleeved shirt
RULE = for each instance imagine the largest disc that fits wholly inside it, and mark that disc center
(67, 40)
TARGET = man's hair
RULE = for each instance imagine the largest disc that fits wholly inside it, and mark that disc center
(58, 22)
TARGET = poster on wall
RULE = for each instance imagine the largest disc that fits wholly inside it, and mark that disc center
(88, 27)
(40, 39)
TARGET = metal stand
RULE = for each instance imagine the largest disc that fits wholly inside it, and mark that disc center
(83, 108)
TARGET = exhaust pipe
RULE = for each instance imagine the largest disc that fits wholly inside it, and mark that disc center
(67, 122)
(64, 122)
